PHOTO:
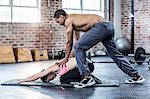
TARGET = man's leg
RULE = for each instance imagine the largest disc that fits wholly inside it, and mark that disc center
(88, 40)
(121, 61)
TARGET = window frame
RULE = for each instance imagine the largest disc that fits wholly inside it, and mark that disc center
(82, 9)
(10, 5)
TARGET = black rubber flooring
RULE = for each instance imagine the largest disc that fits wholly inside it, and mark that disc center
(104, 70)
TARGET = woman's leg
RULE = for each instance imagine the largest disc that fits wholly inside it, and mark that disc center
(73, 75)
(71, 64)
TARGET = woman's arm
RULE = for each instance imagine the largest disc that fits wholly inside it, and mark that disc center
(51, 69)
(71, 64)
(31, 78)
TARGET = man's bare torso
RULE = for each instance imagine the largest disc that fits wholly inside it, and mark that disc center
(83, 22)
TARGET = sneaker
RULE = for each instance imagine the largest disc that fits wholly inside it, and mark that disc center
(135, 80)
(86, 81)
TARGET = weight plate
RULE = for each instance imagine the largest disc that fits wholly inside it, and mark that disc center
(138, 58)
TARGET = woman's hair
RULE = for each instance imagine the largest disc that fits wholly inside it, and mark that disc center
(48, 77)
(60, 12)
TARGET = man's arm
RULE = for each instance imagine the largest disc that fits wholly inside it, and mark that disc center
(69, 43)
(76, 37)
(72, 53)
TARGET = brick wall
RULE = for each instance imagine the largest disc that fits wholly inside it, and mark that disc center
(44, 35)
(48, 34)
(24, 35)
(142, 22)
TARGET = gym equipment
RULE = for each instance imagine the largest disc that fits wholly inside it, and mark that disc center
(61, 54)
(123, 45)
(23, 54)
(132, 26)
(14, 82)
(139, 57)
(40, 55)
(7, 54)
(89, 57)
(66, 80)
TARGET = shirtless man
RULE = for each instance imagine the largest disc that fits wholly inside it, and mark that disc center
(96, 29)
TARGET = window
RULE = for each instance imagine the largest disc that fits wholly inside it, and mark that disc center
(4, 2)
(31, 3)
(5, 15)
(94, 4)
(72, 6)
(25, 11)
(84, 6)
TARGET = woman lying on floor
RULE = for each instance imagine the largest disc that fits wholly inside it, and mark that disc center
(69, 72)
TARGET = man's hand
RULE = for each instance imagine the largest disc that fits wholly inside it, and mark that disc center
(63, 62)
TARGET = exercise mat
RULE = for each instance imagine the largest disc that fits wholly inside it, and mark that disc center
(14, 82)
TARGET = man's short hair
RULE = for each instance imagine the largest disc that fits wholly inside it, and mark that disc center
(59, 12)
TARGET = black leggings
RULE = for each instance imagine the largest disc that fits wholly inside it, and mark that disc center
(74, 75)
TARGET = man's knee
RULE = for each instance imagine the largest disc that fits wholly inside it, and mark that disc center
(76, 47)
(79, 47)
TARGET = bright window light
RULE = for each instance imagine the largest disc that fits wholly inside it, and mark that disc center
(5, 14)
(32, 3)
(22, 11)
(4, 2)
(74, 11)
(25, 14)
(84, 6)
(75, 4)
(93, 12)
(94, 4)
